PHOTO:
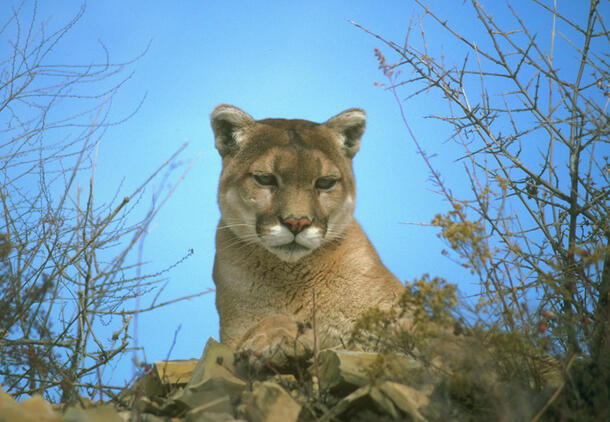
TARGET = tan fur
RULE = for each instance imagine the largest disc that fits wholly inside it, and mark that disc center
(275, 170)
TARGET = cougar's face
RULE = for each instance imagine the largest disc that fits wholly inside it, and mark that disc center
(289, 188)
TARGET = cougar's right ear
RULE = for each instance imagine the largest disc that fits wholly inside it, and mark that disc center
(227, 122)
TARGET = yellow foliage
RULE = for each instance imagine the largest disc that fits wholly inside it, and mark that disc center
(465, 236)
(427, 304)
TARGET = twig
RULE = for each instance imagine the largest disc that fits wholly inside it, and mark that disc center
(159, 305)
(316, 367)
(169, 352)
(558, 391)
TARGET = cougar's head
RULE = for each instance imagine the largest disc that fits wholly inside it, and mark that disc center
(287, 185)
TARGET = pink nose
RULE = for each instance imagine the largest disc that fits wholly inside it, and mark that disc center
(296, 224)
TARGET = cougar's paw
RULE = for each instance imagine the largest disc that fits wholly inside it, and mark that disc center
(277, 342)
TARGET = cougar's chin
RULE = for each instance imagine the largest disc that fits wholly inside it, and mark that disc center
(291, 252)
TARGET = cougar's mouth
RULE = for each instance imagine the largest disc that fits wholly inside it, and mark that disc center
(288, 247)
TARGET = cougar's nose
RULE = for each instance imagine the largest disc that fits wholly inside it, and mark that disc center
(296, 225)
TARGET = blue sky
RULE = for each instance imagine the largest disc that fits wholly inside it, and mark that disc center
(272, 59)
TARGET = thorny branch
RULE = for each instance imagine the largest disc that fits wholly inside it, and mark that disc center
(66, 268)
(533, 127)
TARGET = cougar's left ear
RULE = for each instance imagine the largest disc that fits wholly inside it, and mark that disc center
(349, 126)
(227, 121)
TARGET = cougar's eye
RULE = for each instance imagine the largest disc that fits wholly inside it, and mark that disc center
(325, 183)
(265, 180)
